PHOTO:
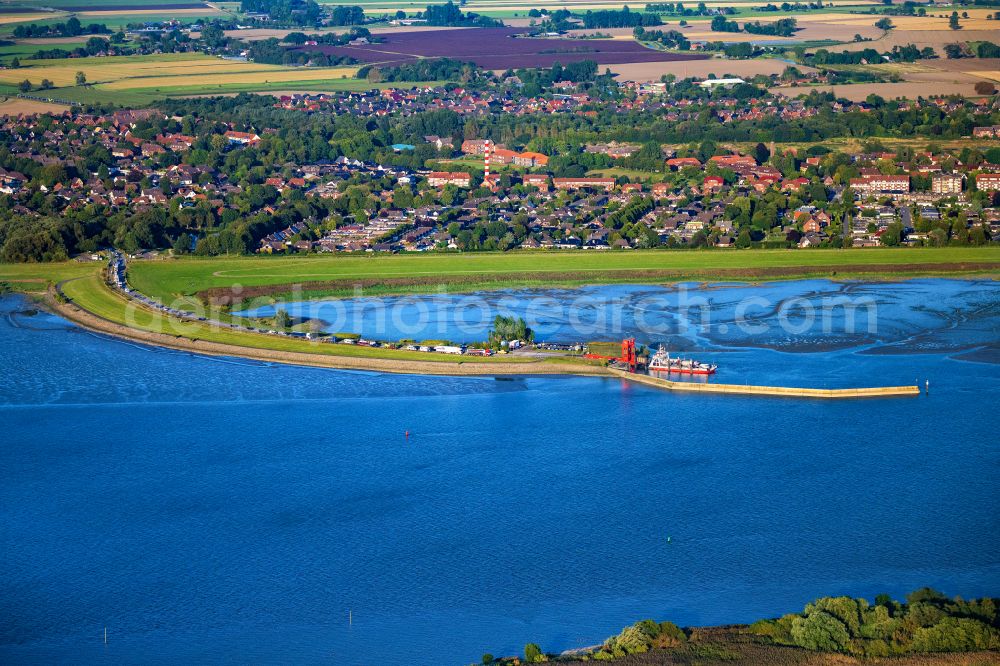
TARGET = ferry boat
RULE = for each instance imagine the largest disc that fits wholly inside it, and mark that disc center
(661, 362)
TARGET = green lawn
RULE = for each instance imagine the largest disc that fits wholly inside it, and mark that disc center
(37, 277)
(167, 279)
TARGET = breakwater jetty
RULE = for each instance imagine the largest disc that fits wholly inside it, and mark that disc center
(788, 392)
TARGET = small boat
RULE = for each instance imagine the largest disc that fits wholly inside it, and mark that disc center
(661, 362)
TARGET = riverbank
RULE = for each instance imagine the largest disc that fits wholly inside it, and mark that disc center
(98, 324)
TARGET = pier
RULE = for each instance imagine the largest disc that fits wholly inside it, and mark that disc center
(789, 392)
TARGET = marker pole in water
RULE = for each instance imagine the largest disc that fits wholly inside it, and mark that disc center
(350, 618)
(105, 635)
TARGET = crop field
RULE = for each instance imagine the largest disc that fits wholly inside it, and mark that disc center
(97, 5)
(507, 8)
(13, 106)
(652, 71)
(22, 18)
(495, 48)
(144, 78)
(169, 279)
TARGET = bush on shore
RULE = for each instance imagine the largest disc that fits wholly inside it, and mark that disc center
(927, 622)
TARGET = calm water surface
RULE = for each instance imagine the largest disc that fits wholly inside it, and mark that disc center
(217, 510)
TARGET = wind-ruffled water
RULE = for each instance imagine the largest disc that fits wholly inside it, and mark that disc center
(208, 510)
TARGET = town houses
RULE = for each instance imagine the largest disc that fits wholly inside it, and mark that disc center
(429, 192)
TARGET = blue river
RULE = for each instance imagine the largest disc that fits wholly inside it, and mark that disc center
(209, 510)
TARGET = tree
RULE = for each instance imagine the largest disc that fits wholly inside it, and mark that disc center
(533, 654)
(954, 51)
(893, 234)
(986, 88)
(743, 240)
(487, 659)
(182, 244)
(24, 86)
(953, 22)
(81, 78)
(15, 63)
(884, 24)
(46, 84)
(761, 153)
(281, 319)
(820, 631)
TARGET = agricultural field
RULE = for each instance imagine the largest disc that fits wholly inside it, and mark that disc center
(112, 5)
(920, 79)
(652, 71)
(13, 106)
(495, 48)
(515, 8)
(138, 79)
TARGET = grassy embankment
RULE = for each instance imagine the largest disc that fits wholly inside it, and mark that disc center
(91, 294)
(339, 275)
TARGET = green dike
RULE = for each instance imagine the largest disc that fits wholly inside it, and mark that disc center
(170, 279)
(93, 295)
(38, 277)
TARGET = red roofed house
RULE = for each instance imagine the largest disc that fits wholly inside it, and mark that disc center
(539, 180)
(530, 159)
(474, 146)
(713, 184)
(442, 178)
(733, 161)
(243, 138)
(988, 182)
(502, 156)
(877, 184)
(681, 162)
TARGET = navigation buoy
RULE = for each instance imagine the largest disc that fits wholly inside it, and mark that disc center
(669, 539)
(407, 432)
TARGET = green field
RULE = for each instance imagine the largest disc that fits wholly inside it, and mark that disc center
(184, 277)
(144, 79)
(37, 277)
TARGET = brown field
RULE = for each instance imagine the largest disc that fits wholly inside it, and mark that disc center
(47, 41)
(23, 18)
(811, 30)
(166, 71)
(117, 68)
(921, 38)
(14, 106)
(104, 13)
(911, 89)
(583, 5)
(275, 75)
(652, 71)
(256, 34)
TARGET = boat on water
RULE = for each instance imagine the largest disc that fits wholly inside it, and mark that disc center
(662, 362)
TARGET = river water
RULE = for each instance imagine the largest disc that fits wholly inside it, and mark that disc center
(211, 510)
